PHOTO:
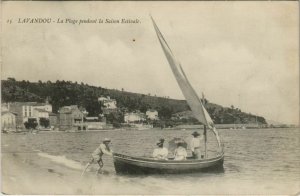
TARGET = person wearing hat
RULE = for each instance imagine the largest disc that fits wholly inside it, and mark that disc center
(98, 153)
(161, 152)
(180, 152)
(196, 144)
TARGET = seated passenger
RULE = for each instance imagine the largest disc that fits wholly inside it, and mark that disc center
(160, 153)
(180, 152)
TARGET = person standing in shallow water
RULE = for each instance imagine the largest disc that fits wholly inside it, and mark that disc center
(98, 153)
(196, 144)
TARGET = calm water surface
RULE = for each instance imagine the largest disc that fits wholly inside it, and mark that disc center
(263, 161)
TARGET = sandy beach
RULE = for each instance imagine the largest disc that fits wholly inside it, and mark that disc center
(22, 174)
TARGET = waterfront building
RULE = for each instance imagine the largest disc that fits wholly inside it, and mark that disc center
(71, 117)
(134, 117)
(36, 111)
(8, 120)
(16, 107)
(29, 110)
(107, 102)
(152, 114)
(91, 119)
(40, 113)
(94, 123)
(53, 121)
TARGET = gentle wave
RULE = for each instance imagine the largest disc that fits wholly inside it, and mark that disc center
(62, 160)
(256, 162)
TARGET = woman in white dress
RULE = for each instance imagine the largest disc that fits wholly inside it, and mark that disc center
(180, 152)
(160, 153)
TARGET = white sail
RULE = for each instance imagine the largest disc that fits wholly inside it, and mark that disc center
(189, 93)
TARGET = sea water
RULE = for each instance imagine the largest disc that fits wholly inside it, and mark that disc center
(257, 161)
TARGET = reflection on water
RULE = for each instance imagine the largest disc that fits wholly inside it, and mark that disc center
(255, 160)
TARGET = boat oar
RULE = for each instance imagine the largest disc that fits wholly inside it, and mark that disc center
(86, 166)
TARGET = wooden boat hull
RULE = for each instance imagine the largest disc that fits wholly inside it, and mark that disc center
(135, 165)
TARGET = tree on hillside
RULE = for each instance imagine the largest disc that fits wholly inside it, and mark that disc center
(31, 124)
(93, 107)
(165, 113)
(115, 118)
(63, 93)
(143, 108)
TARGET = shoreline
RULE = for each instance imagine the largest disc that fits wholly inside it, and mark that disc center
(183, 128)
(26, 174)
(37, 173)
(31, 174)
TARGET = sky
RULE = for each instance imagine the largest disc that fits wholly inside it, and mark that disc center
(237, 53)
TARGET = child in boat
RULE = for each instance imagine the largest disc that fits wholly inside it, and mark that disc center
(160, 153)
(180, 152)
(196, 144)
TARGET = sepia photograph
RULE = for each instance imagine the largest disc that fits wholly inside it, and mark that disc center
(150, 98)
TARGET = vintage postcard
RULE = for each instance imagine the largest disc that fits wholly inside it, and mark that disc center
(154, 97)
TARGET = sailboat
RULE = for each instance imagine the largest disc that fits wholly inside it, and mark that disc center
(125, 164)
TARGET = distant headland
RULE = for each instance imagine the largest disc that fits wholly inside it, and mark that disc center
(171, 112)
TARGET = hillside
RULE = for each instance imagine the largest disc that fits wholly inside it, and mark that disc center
(61, 93)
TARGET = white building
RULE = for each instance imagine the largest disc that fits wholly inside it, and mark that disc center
(108, 102)
(40, 113)
(8, 120)
(40, 109)
(36, 111)
(25, 110)
(134, 117)
(152, 114)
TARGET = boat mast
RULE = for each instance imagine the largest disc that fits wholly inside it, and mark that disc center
(204, 131)
(205, 141)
